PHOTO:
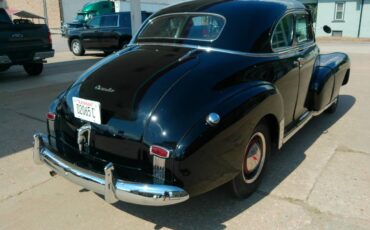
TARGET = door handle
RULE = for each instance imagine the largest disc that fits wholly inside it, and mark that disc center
(299, 62)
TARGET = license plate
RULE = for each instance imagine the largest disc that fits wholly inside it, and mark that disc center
(87, 110)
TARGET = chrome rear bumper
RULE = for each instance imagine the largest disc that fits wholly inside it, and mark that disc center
(43, 55)
(113, 189)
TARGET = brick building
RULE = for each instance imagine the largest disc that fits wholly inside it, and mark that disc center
(50, 9)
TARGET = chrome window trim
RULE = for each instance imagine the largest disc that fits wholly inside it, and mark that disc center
(183, 39)
(273, 32)
(312, 32)
(295, 46)
(210, 49)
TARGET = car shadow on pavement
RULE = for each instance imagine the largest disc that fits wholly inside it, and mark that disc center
(211, 210)
(17, 74)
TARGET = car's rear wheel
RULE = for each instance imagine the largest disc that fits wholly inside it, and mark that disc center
(254, 162)
(33, 69)
(4, 67)
(77, 47)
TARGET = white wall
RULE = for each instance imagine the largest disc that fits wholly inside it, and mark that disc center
(146, 5)
(325, 16)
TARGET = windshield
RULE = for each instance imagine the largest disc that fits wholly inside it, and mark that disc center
(201, 27)
(84, 17)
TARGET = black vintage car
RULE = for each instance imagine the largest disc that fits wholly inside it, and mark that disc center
(202, 95)
(108, 33)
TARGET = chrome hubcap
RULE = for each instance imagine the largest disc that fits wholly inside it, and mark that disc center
(254, 158)
(76, 47)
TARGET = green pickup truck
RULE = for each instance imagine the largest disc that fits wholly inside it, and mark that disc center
(24, 44)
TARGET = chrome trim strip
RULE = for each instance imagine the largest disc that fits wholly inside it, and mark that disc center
(305, 118)
(112, 188)
(4, 59)
(211, 49)
(281, 133)
(43, 55)
(304, 121)
(184, 13)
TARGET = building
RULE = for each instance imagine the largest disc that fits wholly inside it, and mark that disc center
(347, 18)
(49, 9)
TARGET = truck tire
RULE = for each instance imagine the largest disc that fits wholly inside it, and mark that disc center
(254, 162)
(77, 47)
(33, 69)
(4, 68)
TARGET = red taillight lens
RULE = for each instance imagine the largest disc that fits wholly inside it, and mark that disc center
(49, 38)
(159, 152)
(51, 116)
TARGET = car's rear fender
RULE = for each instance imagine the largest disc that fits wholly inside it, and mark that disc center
(330, 73)
(207, 156)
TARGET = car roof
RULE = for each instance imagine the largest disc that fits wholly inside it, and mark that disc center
(249, 23)
(219, 6)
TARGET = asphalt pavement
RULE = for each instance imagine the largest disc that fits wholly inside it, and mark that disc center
(319, 180)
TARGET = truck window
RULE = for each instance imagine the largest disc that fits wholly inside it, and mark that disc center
(109, 21)
(94, 23)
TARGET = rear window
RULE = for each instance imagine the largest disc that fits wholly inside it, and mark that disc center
(202, 27)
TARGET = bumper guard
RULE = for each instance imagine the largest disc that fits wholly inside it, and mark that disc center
(112, 188)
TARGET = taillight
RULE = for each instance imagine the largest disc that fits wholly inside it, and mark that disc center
(49, 38)
(159, 152)
(51, 116)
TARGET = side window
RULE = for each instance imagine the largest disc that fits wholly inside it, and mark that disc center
(109, 21)
(95, 22)
(282, 36)
(303, 29)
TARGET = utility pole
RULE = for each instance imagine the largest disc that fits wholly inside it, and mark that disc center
(360, 22)
(45, 12)
(135, 15)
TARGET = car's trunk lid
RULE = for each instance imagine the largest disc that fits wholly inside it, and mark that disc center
(128, 87)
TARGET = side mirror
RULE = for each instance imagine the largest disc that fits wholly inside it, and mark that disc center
(327, 29)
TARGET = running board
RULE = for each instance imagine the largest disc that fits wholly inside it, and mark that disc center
(304, 119)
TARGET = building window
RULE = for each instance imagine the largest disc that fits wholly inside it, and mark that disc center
(339, 11)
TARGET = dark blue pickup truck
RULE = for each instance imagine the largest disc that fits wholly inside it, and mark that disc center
(107, 33)
(24, 44)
